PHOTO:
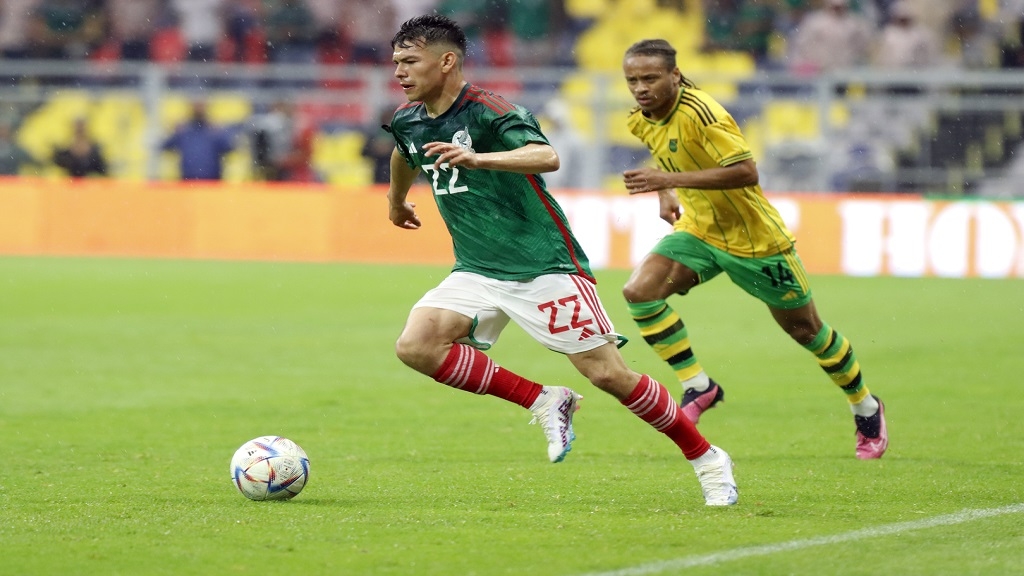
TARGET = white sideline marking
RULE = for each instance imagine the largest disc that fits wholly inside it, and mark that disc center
(884, 530)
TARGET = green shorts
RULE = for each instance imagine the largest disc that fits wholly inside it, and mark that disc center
(779, 281)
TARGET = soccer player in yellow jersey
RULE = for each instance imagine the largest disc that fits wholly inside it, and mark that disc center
(707, 184)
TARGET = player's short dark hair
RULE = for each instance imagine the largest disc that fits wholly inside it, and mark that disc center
(431, 29)
(660, 48)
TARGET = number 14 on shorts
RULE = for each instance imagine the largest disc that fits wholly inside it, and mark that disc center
(779, 274)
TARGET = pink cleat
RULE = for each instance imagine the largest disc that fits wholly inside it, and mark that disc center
(694, 403)
(872, 436)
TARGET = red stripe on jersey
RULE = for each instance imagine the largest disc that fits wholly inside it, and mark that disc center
(589, 293)
(561, 227)
(482, 93)
(492, 100)
(500, 101)
(485, 103)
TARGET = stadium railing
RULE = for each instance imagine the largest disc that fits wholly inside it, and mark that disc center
(944, 132)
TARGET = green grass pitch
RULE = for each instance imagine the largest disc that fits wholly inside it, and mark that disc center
(126, 385)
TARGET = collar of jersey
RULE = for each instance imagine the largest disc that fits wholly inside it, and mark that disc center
(451, 109)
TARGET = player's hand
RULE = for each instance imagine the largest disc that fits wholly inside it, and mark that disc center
(669, 207)
(404, 215)
(643, 180)
(452, 154)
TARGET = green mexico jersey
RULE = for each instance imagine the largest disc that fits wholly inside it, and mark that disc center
(503, 225)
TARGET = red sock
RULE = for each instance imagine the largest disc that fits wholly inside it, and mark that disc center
(654, 405)
(469, 369)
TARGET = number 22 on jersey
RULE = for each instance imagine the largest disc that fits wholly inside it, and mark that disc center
(445, 180)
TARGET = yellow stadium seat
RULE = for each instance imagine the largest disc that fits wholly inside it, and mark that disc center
(238, 165)
(989, 9)
(734, 63)
(118, 123)
(38, 134)
(229, 109)
(703, 70)
(601, 47)
(71, 104)
(787, 120)
(339, 159)
(586, 8)
(578, 91)
(839, 114)
(52, 124)
(174, 109)
(168, 166)
(753, 133)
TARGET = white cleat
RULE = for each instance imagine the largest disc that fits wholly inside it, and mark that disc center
(554, 409)
(717, 481)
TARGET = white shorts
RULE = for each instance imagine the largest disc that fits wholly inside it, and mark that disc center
(561, 311)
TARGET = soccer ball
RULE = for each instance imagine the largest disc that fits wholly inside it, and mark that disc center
(270, 468)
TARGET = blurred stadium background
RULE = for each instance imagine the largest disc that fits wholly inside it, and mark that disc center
(945, 121)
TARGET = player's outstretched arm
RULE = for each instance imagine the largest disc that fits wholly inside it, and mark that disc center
(401, 212)
(534, 158)
(738, 175)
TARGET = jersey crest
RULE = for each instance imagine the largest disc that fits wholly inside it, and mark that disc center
(462, 139)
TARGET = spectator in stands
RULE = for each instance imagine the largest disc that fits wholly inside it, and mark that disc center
(282, 145)
(82, 157)
(572, 149)
(830, 38)
(201, 146)
(535, 26)
(330, 37)
(977, 39)
(202, 27)
(476, 17)
(133, 23)
(1011, 45)
(291, 31)
(378, 146)
(70, 28)
(365, 23)
(12, 156)
(243, 23)
(15, 17)
(506, 30)
(298, 165)
(905, 43)
(271, 140)
(406, 9)
(791, 13)
(741, 25)
(720, 24)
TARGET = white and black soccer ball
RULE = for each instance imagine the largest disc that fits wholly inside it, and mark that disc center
(270, 468)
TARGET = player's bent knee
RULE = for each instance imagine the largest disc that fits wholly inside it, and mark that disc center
(618, 383)
(415, 354)
(634, 294)
(803, 333)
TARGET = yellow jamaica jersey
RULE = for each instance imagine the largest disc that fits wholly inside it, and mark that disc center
(701, 134)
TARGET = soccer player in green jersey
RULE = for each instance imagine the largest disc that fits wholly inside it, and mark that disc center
(707, 184)
(515, 256)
